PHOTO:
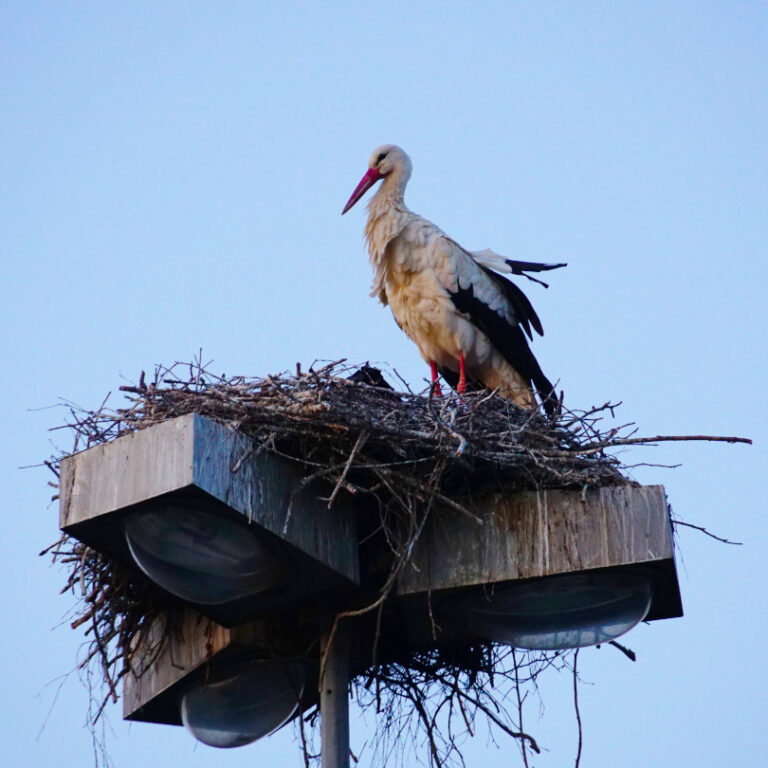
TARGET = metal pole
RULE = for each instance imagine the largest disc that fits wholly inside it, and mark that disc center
(334, 699)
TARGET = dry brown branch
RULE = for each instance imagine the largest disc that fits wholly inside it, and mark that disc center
(707, 533)
(520, 699)
(672, 438)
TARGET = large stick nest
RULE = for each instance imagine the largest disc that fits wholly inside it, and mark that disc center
(352, 432)
(320, 418)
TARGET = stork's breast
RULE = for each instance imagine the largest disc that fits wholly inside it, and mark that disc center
(423, 309)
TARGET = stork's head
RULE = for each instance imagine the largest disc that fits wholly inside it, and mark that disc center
(386, 160)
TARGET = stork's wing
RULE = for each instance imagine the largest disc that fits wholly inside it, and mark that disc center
(492, 260)
(499, 293)
(499, 309)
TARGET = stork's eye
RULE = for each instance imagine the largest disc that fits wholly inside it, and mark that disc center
(380, 157)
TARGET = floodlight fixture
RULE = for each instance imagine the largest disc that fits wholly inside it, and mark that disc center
(549, 569)
(199, 556)
(559, 612)
(241, 538)
(195, 507)
(237, 704)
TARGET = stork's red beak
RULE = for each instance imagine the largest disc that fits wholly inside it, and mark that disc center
(372, 175)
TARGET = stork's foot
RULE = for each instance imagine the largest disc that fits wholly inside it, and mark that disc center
(435, 390)
(461, 387)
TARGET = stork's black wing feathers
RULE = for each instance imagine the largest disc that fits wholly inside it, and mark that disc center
(509, 339)
(524, 311)
(487, 261)
(523, 267)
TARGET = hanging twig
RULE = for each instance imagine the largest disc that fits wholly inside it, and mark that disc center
(519, 695)
(628, 652)
(576, 706)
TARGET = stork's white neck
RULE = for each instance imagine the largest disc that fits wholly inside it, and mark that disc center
(389, 195)
(387, 217)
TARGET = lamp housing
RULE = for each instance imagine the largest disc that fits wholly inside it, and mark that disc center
(191, 503)
(544, 569)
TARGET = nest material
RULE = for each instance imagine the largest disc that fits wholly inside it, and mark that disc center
(409, 451)
(333, 425)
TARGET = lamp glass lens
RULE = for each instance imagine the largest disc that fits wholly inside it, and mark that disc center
(243, 702)
(560, 612)
(199, 556)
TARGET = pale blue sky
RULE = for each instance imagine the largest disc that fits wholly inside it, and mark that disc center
(171, 177)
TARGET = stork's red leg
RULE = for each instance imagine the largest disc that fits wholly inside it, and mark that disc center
(436, 391)
(462, 376)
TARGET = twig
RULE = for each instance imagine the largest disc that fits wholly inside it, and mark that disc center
(362, 437)
(628, 652)
(711, 535)
(520, 700)
(576, 706)
(669, 438)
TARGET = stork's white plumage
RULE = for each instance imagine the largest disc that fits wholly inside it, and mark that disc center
(468, 322)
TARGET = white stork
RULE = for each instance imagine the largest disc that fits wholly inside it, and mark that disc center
(467, 320)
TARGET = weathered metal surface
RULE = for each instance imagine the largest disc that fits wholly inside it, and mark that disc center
(542, 533)
(196, 463)
(126, 471)
(150, 691)
(192, 452)
(269, 491)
